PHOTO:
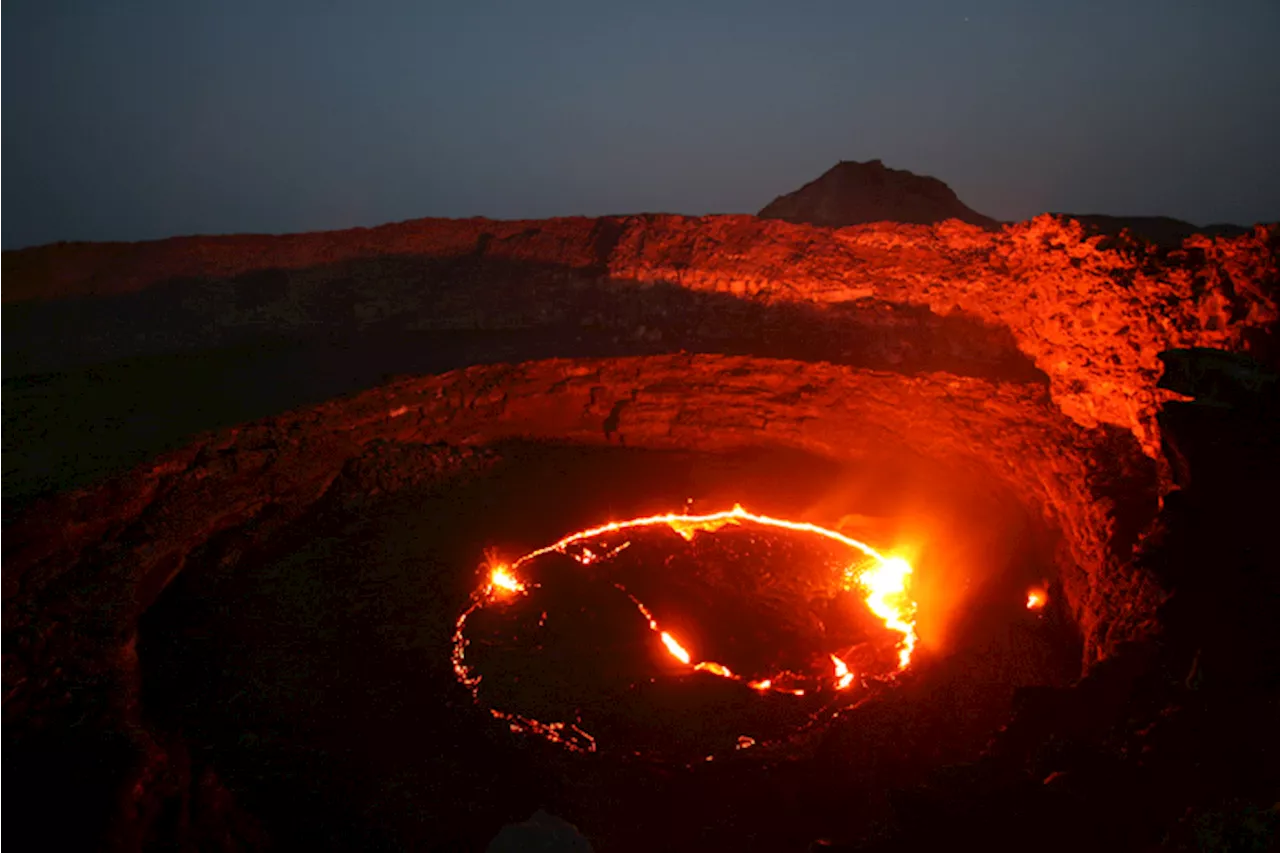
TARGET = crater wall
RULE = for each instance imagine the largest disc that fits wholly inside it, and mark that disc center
(127, 538)
(1090, 313)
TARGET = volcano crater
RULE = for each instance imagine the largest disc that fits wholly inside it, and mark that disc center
(343, 701)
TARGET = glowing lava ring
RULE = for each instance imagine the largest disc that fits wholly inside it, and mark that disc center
(879, 582)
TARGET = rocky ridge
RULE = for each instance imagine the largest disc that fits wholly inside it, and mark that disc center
(81, 568)
(141, 528)
(1091, 316)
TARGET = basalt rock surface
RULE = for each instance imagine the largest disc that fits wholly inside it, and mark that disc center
(1169, 745)
(1009, 435)
(1091, 318)
(81, 569)
(1027, 358)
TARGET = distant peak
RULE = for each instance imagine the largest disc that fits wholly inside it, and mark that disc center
(852, 193)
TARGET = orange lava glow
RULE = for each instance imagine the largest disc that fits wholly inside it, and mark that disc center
(843, 676)
(688, 526)
(677, 651)
(501, 580)
(714, 668)
(884, 584)
(1036, 598)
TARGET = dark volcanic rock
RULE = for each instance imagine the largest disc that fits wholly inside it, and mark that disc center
(82, 569)
(145, 524)
(1162, 231)
(1093, 319)
(1079, 451)
(1170, 745)
(852, 193)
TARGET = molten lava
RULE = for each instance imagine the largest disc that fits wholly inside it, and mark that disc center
(501, 581)
(678, 651)
(886, 586)
(881, 583)
(843, 676)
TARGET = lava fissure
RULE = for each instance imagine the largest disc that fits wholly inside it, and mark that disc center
(883, 586)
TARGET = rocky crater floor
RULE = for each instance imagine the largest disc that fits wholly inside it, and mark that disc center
(248, 481)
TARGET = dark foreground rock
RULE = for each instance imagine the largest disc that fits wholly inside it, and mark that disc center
(83, 569)
(1171, 744)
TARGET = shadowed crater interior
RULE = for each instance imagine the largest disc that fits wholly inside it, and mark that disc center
(316, 678)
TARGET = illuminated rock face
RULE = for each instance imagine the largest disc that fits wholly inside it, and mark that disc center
(143, 527)
(1078, 450)
(1093, 320)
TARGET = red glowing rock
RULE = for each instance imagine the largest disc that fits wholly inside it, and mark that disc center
(1092, 318)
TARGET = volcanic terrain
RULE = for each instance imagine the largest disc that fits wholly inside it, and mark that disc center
(252, 483)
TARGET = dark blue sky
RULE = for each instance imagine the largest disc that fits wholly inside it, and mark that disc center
(133, 120)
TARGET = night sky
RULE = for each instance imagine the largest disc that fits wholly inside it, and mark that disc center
(135, 120)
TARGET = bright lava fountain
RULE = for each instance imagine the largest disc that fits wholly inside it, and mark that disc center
(836, 568)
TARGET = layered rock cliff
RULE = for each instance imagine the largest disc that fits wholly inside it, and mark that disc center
(1092, 317)
(127, 539)
(1026, 358)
